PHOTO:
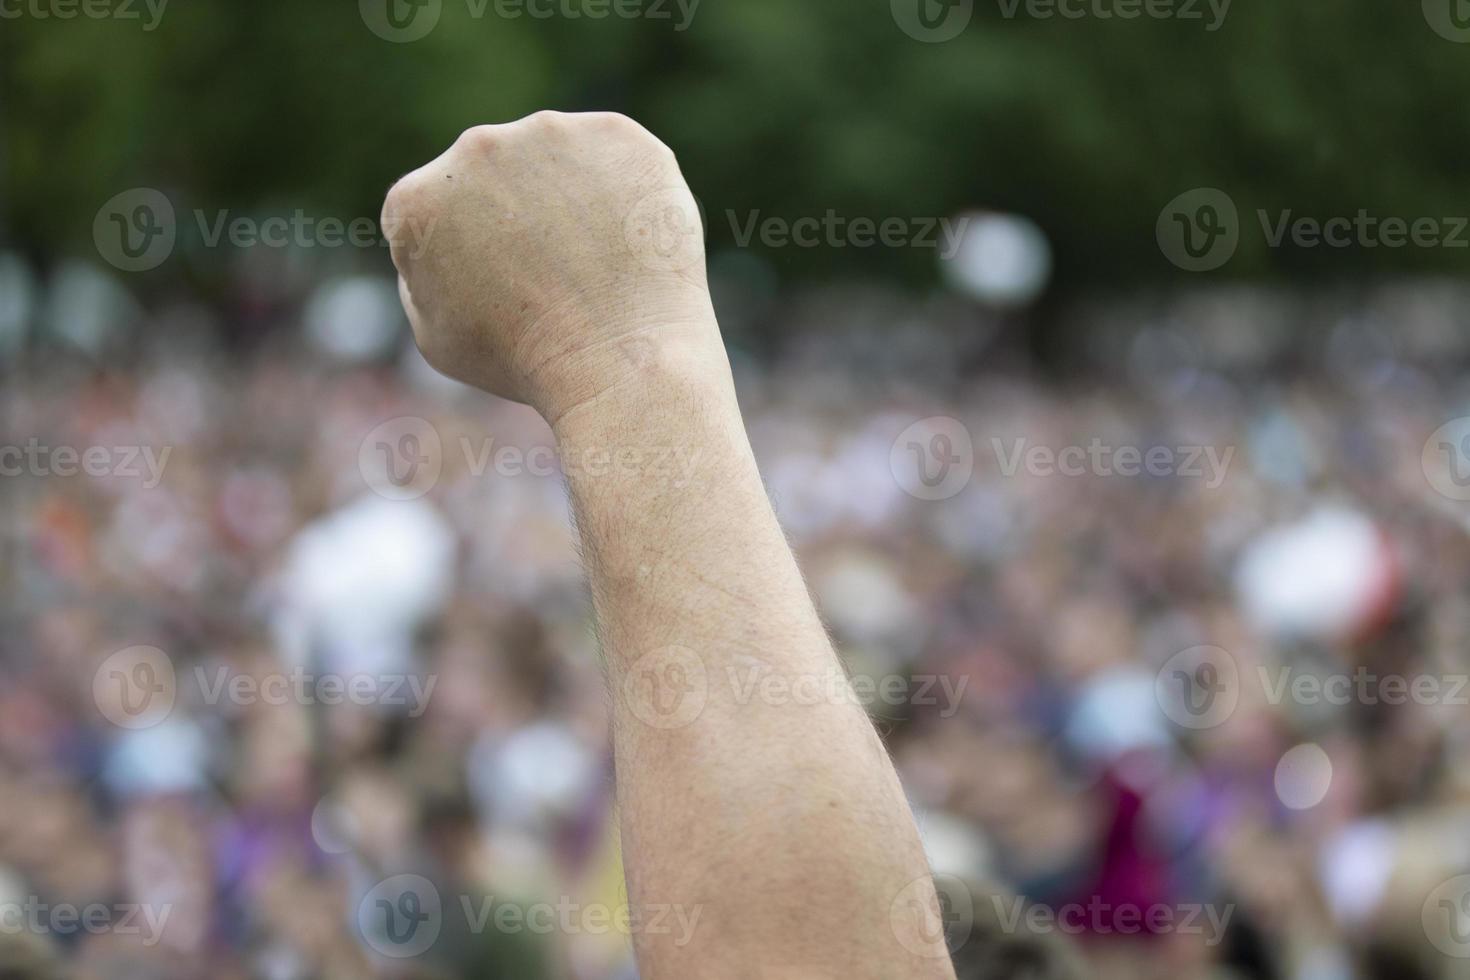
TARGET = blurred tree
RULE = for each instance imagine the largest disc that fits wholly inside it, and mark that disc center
(1087, 125)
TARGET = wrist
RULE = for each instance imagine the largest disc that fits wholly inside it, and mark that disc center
(670, 430)
(652, 378)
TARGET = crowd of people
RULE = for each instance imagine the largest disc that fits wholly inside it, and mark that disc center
(1163, 624)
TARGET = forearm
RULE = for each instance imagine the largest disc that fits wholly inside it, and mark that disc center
(780, 818)
(566, 270)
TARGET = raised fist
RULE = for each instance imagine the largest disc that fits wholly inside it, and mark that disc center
(558, 257)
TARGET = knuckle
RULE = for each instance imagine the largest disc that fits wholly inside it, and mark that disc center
(479, 137)
(617, 123)
(405, 197)
(615, 120)
(548, 119)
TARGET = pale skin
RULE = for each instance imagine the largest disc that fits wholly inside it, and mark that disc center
(565, 270)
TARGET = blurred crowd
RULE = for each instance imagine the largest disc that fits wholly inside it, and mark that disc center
(1037, 610)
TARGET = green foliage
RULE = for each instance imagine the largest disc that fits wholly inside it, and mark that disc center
(1089, 126)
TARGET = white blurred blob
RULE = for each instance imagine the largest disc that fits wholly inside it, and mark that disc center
(1324, 577)
(13, 888)
(17, 301)
(1117, 713)
(1003, 259)
(864, 601)
(86, 307)
(1281, 451)
(816, 486)
(331, 827)
(1355, 866)
(539, 773)
(355, 319)
(171, 757)
(953, 846)
(1303, 776)
(358, 582)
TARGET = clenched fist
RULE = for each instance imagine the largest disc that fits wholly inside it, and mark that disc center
(563, 258)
